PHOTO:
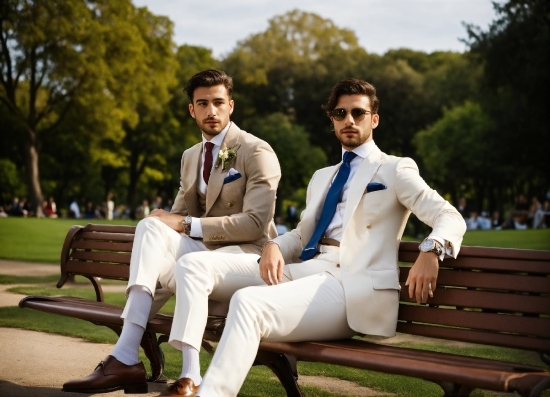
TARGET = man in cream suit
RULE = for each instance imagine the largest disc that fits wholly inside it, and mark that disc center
(225, 203)
(336, 274)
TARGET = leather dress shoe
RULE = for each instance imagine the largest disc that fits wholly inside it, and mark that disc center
(111, 375)
(182, 387)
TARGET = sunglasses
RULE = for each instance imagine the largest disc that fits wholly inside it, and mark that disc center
(358, 114)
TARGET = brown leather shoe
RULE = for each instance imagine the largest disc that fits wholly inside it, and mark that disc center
(111, 375)
(182, 387)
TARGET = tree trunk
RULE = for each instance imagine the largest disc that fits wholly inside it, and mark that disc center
(33, 177)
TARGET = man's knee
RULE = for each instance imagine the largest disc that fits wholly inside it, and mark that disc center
(191, 263)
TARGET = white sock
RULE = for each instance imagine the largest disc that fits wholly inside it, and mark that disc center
(191, 366)
(127, 347)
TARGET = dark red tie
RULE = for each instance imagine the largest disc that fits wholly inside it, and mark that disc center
(207, 161)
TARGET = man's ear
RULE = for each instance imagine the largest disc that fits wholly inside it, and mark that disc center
(231, 106)
(191, 110)
(375, 120)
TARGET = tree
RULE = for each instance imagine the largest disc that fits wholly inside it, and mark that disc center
(58, 57)
(454, 153)
(515, 90)
(297, 157)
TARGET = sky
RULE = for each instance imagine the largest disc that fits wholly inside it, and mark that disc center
(380, 25)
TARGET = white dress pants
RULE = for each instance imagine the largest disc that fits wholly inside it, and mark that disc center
(156, 249)
(310, 308)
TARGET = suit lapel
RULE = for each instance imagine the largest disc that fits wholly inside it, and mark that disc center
(362, 177)
(215, 183)
(190, 196)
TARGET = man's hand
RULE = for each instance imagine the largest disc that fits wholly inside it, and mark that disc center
(423, 277)
(171, 220)
(272, 264)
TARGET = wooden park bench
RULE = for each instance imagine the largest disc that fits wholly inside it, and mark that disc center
(491, 296)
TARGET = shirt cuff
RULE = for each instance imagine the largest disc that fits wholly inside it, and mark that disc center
(196, 228)
(447, 249)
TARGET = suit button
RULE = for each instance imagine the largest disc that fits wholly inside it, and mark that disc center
(337, 265)
(230, 204)
(369, 226)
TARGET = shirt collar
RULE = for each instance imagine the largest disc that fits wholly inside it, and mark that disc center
(218, 139)
(363, 150)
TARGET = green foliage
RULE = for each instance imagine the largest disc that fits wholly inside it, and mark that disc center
(298, 158)
(451, 151)
(109, 115)
(516, 76)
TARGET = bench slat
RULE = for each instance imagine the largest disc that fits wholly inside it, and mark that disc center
(94, 269)
(411, 247)
(501, 301)
(491, 281)
(96, 256)
(102, 245)
(471, 336)
(87, 235)
(533, 326)
(90, 227)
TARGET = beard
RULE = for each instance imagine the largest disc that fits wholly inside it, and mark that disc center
(354, 140)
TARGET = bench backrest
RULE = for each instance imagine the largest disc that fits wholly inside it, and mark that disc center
(492, 296)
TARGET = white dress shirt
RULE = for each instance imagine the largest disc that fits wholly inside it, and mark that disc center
(196, 227)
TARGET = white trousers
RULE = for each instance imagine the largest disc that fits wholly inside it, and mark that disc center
(156, 249)
(309, 308)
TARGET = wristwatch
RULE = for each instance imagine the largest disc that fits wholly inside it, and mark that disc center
(429, 245)
(186, 223)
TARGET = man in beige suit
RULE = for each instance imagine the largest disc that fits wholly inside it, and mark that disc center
(336, 274)
(225, 203)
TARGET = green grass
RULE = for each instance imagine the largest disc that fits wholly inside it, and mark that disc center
(525, 239)
(7, 279)
(39, 239)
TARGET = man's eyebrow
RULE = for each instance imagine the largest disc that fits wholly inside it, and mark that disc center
(213, 100)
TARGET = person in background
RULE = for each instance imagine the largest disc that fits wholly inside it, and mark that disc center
(74, 209)
(50, 208)
(109, 207)
(281, 227)
(536, 213)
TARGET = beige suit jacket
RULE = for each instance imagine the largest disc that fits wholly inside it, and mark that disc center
(239, 212)
(372, 229)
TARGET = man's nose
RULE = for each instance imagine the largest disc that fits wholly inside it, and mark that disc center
(211, 110)
(349, 120)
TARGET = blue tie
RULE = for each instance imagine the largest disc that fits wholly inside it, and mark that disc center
(329, 208)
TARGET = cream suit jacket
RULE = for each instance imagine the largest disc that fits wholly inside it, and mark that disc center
(372, 228)
(239, 212)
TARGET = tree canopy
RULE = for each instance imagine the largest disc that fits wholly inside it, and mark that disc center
(91, 101)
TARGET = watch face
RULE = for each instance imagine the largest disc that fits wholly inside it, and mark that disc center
(427, 245)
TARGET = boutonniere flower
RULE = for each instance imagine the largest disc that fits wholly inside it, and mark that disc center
(224, 157)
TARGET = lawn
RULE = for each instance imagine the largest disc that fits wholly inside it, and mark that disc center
(40, 240)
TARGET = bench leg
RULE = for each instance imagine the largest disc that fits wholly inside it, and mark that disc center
(284, 367)
(455, 389)
(154, 354)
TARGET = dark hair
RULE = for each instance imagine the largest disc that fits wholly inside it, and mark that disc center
(352, 87)
(208, 78)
